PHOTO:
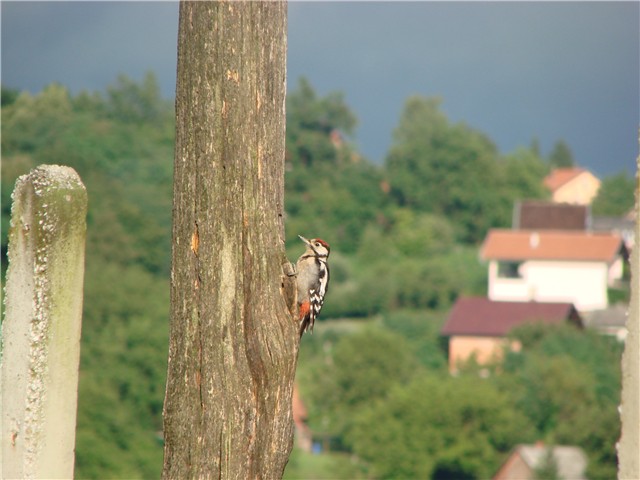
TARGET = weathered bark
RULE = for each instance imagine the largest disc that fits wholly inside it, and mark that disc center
(233, 343)
(629, 445)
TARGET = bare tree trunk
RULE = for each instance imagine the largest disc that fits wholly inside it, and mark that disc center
(628, 446)
(233, 343)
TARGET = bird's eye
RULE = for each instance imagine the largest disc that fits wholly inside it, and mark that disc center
(317, 244)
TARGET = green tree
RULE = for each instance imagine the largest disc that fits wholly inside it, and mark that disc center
(331, 192)
(524, 173)
(122, 372)
(414, 262)
(561, 155)
(357, 369)
(311, 121)
(595, 353)
(127, 169)
(551, 387)
(615, 196)
(421, 329)
(567, 381)
(438, 427)
(8, 95)
(420, 235)
(132, 102)
(548, 469)
(33, 122)
(450, 170)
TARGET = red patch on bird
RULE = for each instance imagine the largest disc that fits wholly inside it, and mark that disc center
(305, 308)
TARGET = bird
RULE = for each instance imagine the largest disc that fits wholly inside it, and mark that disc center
(312, 280)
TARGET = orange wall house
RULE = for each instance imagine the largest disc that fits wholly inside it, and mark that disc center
(478, 327)
(484, 350)
(572, 185)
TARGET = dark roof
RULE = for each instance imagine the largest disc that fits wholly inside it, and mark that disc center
(479, 316)
(541, 215)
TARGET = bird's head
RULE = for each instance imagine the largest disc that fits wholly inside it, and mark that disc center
(316, 246)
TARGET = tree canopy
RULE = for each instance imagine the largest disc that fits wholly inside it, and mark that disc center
(404, 239)
(561, 155)
(455, 171)
(126, 167)
(615, 196)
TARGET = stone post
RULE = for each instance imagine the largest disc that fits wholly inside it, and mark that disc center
(41, 328)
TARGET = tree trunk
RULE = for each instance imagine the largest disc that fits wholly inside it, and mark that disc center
(233, 343)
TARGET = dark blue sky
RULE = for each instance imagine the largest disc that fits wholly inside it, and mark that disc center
(513, 70)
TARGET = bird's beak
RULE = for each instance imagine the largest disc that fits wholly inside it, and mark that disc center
(304, 240)
(308, 243)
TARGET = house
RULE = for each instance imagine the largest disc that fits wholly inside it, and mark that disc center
(542, 215)
(624, 226)
(611, 321)
(553, 266)
(477, 327)
(524, 463)
(572, 185)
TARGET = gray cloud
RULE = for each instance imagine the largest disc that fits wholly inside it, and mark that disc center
(85, 45)
(514, 70)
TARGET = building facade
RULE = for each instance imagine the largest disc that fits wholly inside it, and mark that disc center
(553, 266)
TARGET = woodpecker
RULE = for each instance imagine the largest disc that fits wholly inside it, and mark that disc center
(312, 281)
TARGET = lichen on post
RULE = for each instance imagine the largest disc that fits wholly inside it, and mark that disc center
(41, 328)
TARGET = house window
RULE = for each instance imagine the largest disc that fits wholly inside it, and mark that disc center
(509, 269)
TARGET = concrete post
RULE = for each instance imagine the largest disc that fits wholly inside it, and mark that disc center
(629, 444)
(41, 329)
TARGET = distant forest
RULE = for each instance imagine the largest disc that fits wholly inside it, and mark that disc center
(404, 238)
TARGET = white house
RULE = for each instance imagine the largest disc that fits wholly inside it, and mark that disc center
(525, 461)
(553, 266)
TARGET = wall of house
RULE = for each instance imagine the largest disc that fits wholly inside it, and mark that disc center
(581, 190)
(582, 283)
(485, 350)
(507, 289)
(616, 271)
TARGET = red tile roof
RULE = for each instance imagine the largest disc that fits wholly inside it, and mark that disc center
(560, 176)
(551, 245)
(478, 316)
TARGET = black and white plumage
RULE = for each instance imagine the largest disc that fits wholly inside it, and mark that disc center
(312, 281)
